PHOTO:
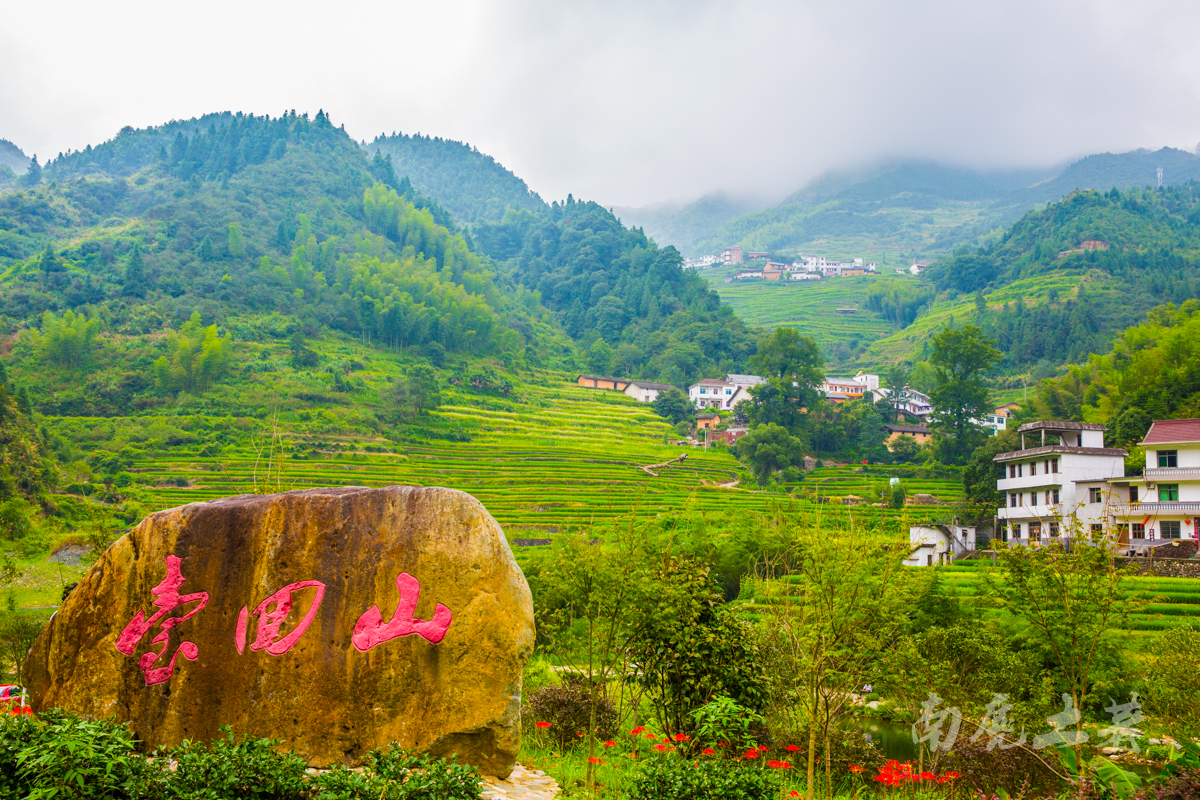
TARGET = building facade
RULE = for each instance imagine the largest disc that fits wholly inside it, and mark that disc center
(1164, 502)
(602, 382)
(645, 392)
(938, 544)
(1058, 482)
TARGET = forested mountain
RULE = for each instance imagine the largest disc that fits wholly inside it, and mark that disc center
(616, 291)
(1152, 371)
(1072, 275)
(684, 226)
(471, 184)
(915, 209)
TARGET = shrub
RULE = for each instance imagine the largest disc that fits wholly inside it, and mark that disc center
(16, 734)
(567, 708)
(249, 769)
(340, 783)
(705, 780)
(723, 720)
(1015, 771)
(63, 756)
(1183, 785)
(424, 777)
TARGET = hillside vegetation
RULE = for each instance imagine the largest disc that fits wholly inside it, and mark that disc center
(471, 184)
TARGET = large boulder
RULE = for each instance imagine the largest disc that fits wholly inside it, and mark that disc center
(336, 619)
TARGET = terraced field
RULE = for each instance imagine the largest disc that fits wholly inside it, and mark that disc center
(810, 306)
(570, 457)
(1169, 601)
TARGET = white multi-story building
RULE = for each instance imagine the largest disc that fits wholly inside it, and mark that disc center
(840, 389)
(1164, 502)
(703, 262)
(723, 394)
(918, 404)
(1054, 489)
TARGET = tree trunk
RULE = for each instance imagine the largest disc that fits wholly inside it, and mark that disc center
(812, 753)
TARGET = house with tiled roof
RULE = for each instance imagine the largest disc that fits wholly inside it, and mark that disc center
(1163, 503)
(645, 391)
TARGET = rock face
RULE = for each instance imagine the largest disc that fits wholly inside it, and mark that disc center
(336, 619)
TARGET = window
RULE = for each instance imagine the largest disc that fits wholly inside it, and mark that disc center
(1020, 471)
(1169, 529)
(1054, 465)
(1095, 495)
(1097, 529)
(1013, 499)
(702, 390)
(1055, 501)
(1035, 530)
(1033, 498)
(1139, 530)
(1033, 468)
(1012, 470)
(1133, 494)
(1168, 493)
(1054, 529)
(1168, 458)
(1016, 531)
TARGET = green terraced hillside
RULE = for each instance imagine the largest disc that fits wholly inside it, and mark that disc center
(810, 306)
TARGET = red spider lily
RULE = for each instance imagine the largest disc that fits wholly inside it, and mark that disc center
(791, 748)
(856, 770)
(594, 760)
(610, 743)
(580, 734)
(793, 793)
(708, 751)
(750, 754)
(667, 739)
(662, 748)
(652, 736)
(927, 776)
(779, 765)
(952, 775)
(638, 731)
(722, 744)
(543, 725)
(681, 737)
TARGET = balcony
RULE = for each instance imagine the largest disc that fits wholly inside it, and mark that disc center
(1172, 473)
(1040, 482)
(1154, 509)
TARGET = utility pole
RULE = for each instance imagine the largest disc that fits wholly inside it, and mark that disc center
(1159, 177)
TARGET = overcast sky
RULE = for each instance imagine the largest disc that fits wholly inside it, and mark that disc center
(628, 102)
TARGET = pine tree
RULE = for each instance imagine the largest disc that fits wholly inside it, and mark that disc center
(135, 273)
(33, 175)
(206, 249)
(237, 247)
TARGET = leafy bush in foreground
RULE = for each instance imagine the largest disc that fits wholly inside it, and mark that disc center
(704, 780)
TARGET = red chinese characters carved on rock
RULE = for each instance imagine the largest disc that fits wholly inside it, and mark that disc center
(268, 637)
(271, 613)
(168, 599)
(371, 629)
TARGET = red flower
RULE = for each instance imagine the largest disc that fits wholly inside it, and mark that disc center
(638, 731)
(856, 770)
(793, 793)
(680, 737)
(610, 743)
(708, 751)
(793, 748)
(952, 775)
(750, 754)
(580, 734)
(662, 748)
(543, 725)
(722, 744)
(594, 760)
(652, 736)
(927, 776)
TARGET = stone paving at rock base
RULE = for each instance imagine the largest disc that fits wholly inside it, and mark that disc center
(522, 784)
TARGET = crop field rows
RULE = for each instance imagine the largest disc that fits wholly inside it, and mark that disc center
(564, 457)
(809, 306)
(1167, 601)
